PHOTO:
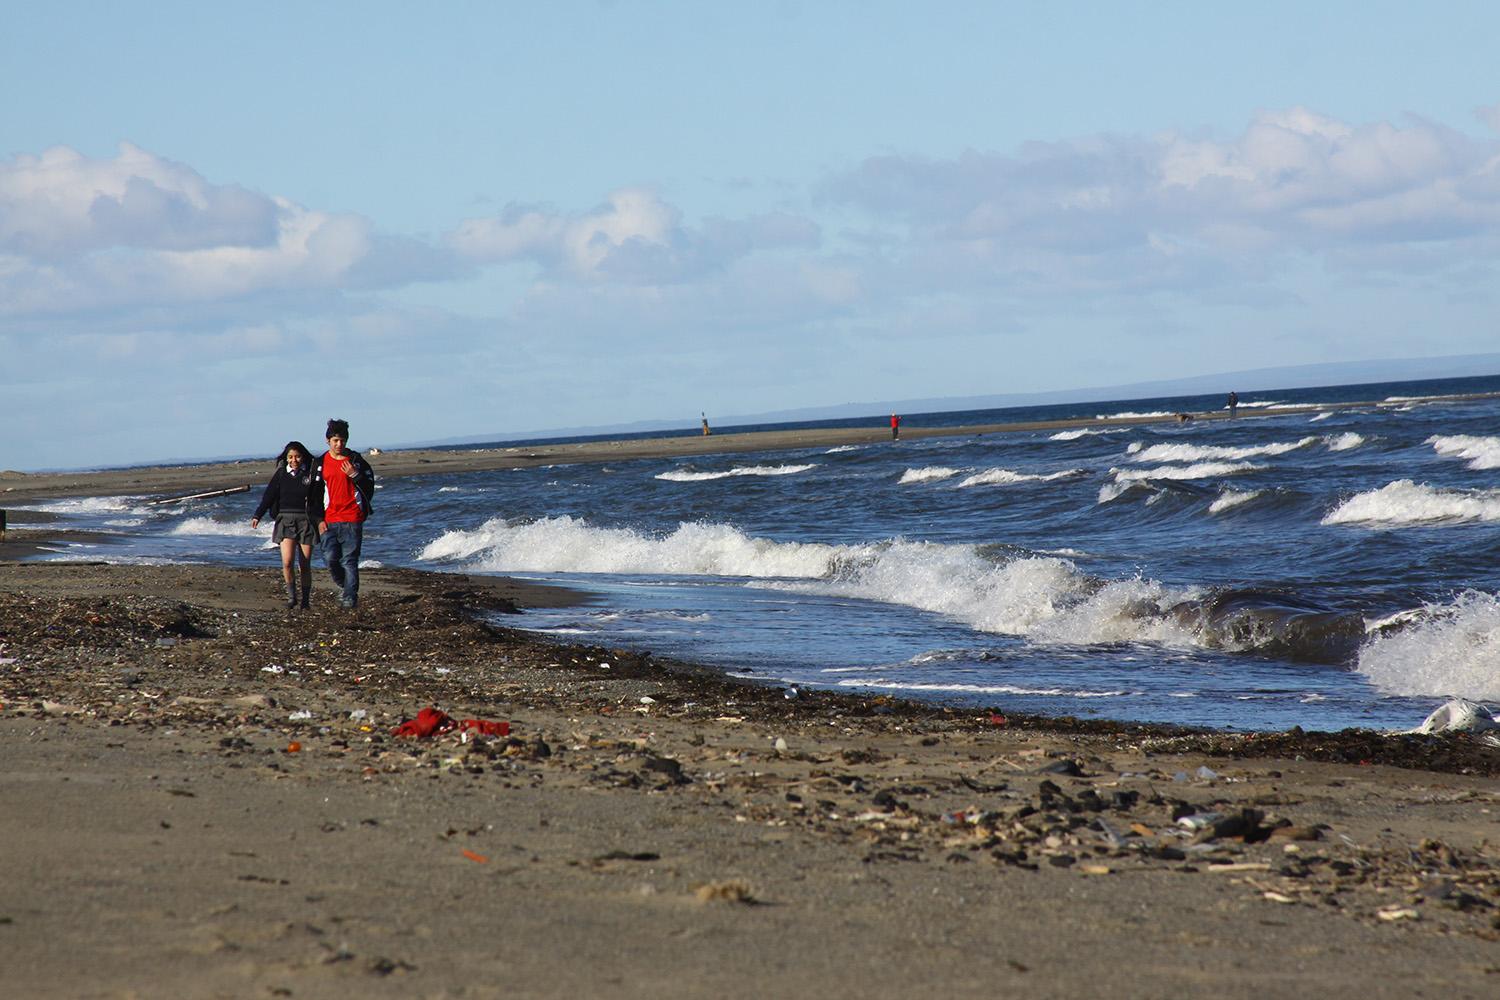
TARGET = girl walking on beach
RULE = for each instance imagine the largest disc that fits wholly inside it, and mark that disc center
(295, 500)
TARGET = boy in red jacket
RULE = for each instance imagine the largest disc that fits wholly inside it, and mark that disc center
(348, 485)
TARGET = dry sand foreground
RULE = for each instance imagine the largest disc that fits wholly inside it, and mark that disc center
(202, 799)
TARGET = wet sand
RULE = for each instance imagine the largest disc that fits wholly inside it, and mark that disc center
(203, 798)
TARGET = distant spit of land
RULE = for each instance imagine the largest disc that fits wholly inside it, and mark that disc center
(166, 480)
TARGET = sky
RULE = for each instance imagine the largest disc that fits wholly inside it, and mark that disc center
(220, 226)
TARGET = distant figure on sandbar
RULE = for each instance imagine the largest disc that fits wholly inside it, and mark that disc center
(706, 431)
(895, 427)
(1234, 403)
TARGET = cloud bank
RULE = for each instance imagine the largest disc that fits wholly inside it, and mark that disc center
(109, 265)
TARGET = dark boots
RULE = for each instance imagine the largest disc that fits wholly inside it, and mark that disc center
(291, 595)
(306, 588)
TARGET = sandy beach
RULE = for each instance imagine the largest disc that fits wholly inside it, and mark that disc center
(205, 798)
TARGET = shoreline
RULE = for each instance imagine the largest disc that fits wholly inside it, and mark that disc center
(21, 487)
(204, 793)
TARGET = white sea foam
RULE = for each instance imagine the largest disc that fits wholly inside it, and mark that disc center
(929, 474)
(209, 526)
(1230, 499)
(1405, 503)
(1344, 442)
(1453, 653)
(1127, 479)
(1482, 452)
(1010, 689)
(1127, 415)
(843, 447)
(1083, 432)
(1210, 452)
(1046, 599)
(569, 545)
(679, 476)
(1005, 477)
(91, 505)
(1198, 470)
(1320, 416)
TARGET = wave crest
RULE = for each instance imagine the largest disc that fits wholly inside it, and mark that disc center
(1452, 651)
(1482, 452)
(683, 476)
(1404, 502)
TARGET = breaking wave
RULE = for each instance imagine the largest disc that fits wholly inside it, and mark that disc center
(1208, 452)
(1127, 415)
(1045, 599)
(679, 476)
(930, 474)
(1004, 477)
(1169, 476)
(1344, 442)
(1230, 499)
(209, 526)
(1451, 651)
(1481, 452)
(92, 505)
(1405, 503)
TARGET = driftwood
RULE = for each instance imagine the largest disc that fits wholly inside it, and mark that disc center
(201, 496)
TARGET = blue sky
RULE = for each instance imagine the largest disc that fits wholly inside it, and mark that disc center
(220, 226)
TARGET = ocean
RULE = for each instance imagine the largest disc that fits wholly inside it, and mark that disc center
(1324, 570)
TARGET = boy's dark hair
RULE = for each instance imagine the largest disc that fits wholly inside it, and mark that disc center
(339, 427)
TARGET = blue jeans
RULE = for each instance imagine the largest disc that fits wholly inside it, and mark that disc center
(340, 544)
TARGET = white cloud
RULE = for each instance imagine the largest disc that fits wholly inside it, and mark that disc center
(634, 237)
(81, 235)
(1291, 180)
(62, 203)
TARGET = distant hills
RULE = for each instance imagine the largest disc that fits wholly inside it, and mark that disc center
(1250, 380)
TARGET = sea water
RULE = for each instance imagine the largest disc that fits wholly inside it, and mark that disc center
(1326, 569)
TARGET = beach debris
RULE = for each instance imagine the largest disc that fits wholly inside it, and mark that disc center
(480, 859)
(202, 495)
(1458, 715)
(734, 890)
(1394, 913)
(432, 722)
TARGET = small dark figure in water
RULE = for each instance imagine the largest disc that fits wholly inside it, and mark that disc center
(1233, 404)
(706, 431)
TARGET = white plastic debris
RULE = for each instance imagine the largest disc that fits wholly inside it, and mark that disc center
(299, 715)
(1457, 716)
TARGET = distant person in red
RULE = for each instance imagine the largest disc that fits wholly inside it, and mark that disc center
(348, 485)
(895, 427)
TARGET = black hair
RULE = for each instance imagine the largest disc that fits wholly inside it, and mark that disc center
(298, 447)
(339, 427)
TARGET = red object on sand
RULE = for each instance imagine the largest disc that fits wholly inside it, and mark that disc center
(997, 720)
(432, 722)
